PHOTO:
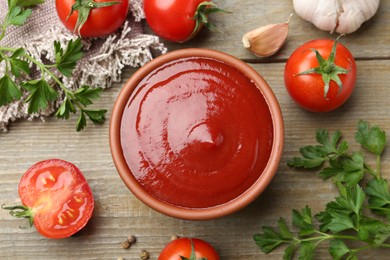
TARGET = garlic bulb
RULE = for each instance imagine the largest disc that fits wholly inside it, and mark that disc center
(266, 40)
(342, 16)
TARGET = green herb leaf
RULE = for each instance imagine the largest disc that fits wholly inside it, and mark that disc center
(18, 66)
(17, 15)
(8, 91)
(371, 138)
(82, 122)
(346, 170)
(379, 196)
(304, 221)
(96, 116)
(65, 109)
(269, 240)
(346, 213)
(24, 3)
(382, 236)
(369, 229)
(85, 95)
(41, 93)
(67, 60)
(306, 251)
(289, 252)
(315, 156)
(353, 199)
(338, 249)
(284, 230)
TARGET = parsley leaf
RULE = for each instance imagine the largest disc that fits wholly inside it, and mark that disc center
(306, 250)
(304, 221)
(17, 15)
(379, 200)
(81, 122)
(24, 3)
(85, 95)
(338, 249)
(315, 156)
(269, 240)
(344, 218)
(97, 115)
(67, 60)
(65, 109)
(346, 170)
(17, 65)
(8, 90)
(371, 138)
(41, 93)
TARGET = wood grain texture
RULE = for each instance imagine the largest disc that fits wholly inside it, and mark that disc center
(118, 213)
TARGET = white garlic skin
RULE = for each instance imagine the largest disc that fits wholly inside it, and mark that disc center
(341, 16)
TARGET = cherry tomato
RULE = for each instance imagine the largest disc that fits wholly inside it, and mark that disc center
(306, 75)
(101, 20)
(175, 20)
(188, 248)
(56, 198)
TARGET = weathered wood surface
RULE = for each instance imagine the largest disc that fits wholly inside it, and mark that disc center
(118, 213)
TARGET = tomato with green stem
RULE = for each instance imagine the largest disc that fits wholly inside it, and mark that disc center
(188, 249)
(320, 75)
(56, 198)
(179, 20)
(92, 18)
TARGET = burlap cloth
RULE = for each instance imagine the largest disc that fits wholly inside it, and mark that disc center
(102, 63)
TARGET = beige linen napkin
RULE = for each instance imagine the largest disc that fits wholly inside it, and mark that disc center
(102, 63)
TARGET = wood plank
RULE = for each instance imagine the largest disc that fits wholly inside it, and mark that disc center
(118, 213)
(369, 42)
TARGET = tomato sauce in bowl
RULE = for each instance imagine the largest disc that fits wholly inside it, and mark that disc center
(196, 132)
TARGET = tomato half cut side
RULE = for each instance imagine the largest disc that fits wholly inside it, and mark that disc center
(58, 197)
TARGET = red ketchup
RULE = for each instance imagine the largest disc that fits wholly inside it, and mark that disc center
(196, 132)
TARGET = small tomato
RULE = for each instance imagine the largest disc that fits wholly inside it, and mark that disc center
(56, 198)
(188, 249)
(178, 20)
(320, 75)
(92, 18)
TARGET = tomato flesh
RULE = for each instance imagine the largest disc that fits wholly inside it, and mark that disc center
(181, 247)
(101, 21)
(308, 90)
(59, 197)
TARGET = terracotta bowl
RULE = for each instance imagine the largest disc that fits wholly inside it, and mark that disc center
(207, 212)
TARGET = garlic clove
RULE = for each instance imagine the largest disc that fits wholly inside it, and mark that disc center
(266, 40)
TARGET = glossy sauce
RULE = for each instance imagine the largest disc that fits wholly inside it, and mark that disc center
(196, 132)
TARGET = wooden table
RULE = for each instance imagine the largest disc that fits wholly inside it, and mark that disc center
(118, 213)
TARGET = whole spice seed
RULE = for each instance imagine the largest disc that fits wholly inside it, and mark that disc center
(132, 239)
(144, 255)
(266, 40)
(125, 244)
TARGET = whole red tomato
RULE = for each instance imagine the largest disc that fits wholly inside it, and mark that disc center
(320, 75)
(178, 20)
(188, 248)
(101, 20)
(56, 198)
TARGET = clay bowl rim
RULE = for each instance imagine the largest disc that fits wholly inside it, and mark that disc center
(194, 213)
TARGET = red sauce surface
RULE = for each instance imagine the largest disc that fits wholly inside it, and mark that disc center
(196, 132)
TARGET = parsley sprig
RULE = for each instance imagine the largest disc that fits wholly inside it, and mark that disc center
(40, 93)
(345, 223)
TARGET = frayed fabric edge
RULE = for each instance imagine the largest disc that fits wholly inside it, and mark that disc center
(99, 68)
